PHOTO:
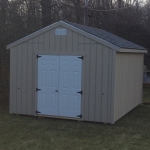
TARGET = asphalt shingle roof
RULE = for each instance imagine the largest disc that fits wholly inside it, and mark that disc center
(109, 37)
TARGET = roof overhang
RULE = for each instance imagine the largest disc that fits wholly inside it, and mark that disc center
(79, 31)
(123, 50)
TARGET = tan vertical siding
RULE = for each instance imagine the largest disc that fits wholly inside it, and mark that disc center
(112, 81)
(19, 79)
(110, 85)
(98, 82)
(81, 43)
(34, 73)
(13, 74)
(105, 84)
(57, 43)
(96, 75)
(86, 80)
(24, 78)
(36, 44)
(63, 43)
(82, 49)
(92, 82)
(69, 41)
(46, 41)
(75, 42)
(128, 83)
(30, 92)
(52, 40)
(21, 95)
(41, 42)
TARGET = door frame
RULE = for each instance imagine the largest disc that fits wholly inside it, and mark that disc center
(35, 74)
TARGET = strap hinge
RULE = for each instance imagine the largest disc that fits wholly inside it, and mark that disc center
(81, 92)
(80, 116)
(37, 112)
(38, 56)
(38, 89)
(81, 57)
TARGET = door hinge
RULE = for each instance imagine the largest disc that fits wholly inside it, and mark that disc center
(80, 116)
(81, 57)
(38, 89)
(38, 56)
(37, 112)
(81, 92)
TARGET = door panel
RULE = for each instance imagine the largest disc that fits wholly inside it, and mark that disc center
(48, 73)
(69, 85)
(59, 78)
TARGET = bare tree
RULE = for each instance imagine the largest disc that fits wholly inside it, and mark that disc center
(73, 10)
(50, 11)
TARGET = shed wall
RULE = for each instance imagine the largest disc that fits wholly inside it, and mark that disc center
(97, 73)
(128, 83)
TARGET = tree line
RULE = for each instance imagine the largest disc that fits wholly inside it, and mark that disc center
(129, 19)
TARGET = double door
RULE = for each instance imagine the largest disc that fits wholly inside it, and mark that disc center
(59, 85)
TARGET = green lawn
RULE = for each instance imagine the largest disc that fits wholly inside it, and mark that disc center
(132, 132)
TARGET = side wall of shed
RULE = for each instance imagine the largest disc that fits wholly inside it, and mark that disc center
(97, 73)
(128, 83)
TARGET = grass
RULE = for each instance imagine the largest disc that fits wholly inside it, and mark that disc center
(132, 132)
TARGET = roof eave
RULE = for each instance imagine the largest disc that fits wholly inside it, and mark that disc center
(62, 23)
(79, 31)
(93, 37)
(125, 50)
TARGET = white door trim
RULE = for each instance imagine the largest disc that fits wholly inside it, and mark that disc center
(75, 74)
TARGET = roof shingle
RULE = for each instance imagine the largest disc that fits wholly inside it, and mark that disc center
(109, 37)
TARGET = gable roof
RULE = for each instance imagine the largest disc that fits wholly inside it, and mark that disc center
(101, 36)
(109, 37)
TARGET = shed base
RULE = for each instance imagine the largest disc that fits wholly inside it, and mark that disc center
(59, 117)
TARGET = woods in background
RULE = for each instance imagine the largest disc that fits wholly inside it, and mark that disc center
(129, 19)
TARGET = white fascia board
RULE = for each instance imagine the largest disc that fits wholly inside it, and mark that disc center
(26, 38)
(66, 25)
(79, 31)
(122, 50)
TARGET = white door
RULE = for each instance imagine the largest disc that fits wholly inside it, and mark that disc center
(69, 86)
(48, 74)
(59, 78)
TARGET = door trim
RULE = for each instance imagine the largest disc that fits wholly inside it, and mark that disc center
(60, 53)
(35, 76)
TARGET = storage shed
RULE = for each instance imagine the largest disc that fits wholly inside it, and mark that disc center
(73, 71)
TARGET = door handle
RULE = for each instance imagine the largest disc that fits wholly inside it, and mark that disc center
(56, 90)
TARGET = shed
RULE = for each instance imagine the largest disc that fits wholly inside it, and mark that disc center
(67, 70)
